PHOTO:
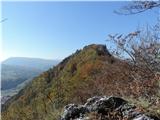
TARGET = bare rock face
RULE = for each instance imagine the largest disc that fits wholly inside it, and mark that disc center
(106, 108)
(100, 49)
(74, 111)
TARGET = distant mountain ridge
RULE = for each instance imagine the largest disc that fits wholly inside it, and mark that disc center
(36, 63)
(18, 71)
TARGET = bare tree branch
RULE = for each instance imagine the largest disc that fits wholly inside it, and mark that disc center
(136, 7)
(3, 20)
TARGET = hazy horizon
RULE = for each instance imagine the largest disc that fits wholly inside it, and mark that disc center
(29, 58)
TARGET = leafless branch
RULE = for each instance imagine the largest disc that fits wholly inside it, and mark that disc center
(136, 7)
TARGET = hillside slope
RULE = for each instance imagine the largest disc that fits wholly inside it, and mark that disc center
(90, 71)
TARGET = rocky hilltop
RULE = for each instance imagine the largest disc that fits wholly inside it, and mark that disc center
(91, 71)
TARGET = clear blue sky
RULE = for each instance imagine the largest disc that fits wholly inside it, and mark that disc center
(54, 30)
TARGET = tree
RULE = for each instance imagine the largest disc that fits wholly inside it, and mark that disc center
(3, 20)
(142, 48)
(138, 7)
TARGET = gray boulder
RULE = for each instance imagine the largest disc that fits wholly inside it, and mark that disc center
(73, 111)
(103, 106)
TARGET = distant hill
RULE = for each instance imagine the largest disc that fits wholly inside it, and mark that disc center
(17, 72)
(88, 72)
(36, 63)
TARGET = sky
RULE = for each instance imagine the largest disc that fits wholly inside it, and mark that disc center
(54, 30)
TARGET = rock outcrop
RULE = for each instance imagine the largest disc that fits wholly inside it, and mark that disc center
(103, 108)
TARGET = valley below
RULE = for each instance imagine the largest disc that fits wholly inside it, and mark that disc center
(17, 72)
